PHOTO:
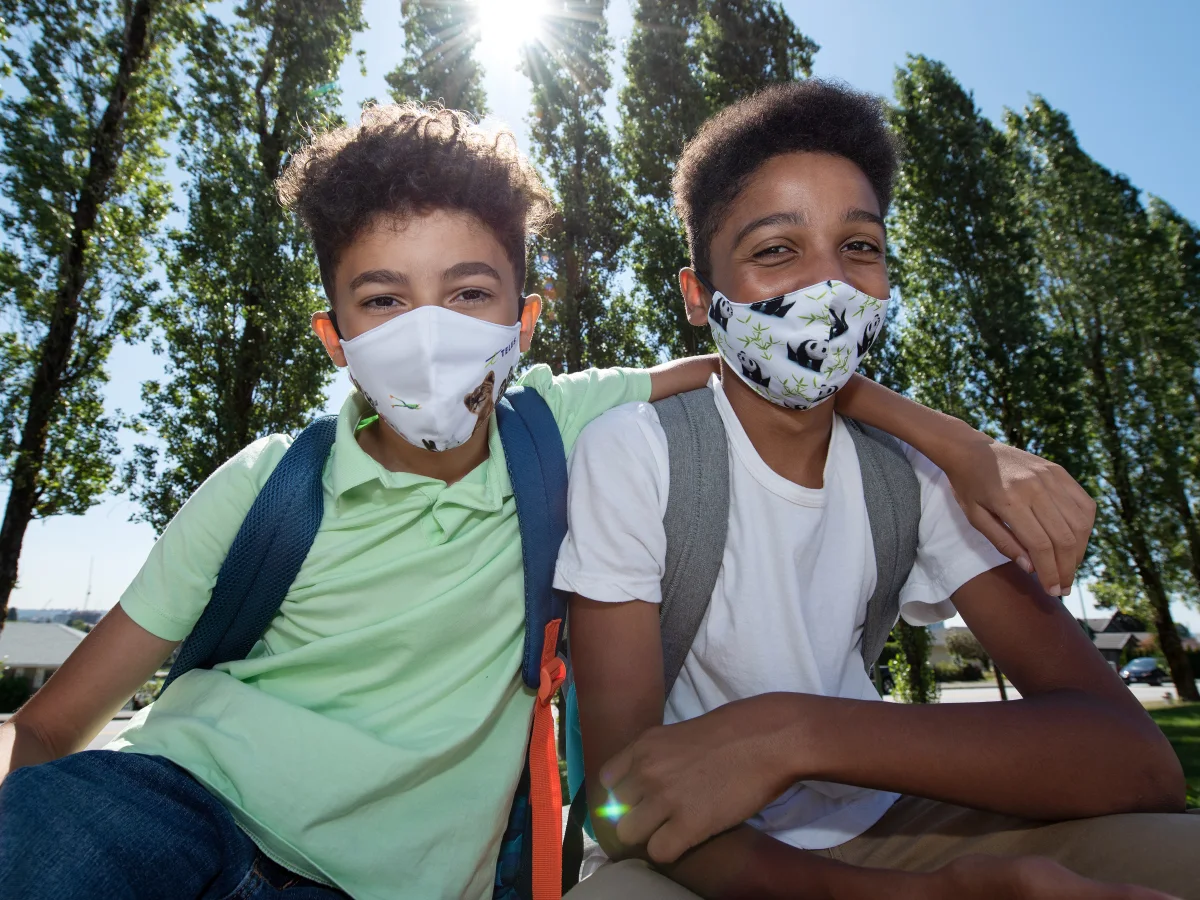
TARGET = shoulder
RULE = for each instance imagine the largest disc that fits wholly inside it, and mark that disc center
(249, 469)
(625, 448)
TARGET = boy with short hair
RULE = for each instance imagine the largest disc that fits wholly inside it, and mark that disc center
(371, 742)
(770, 715)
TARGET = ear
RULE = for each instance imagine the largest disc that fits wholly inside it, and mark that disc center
(322, 326)
(529, 318)
(695, 297)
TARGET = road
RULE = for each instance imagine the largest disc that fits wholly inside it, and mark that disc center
(982, 693)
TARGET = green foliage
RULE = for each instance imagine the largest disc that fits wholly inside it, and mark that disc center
(1109, 273)
(14, 691)
(974, 343)
(911, 671)
(956, 671)
(965, 646)
(438, 64)
(685, 60)
(241, 361)
(586, 322)
(81, 172)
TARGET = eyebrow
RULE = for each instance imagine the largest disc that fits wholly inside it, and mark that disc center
(861, 215)
(379, 276)
(467, 269)
(780, 218)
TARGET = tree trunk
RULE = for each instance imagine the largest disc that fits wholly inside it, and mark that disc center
(51, 375)
(1131, 520)
(1000, 682)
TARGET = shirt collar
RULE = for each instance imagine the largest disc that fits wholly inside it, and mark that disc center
(485, 488)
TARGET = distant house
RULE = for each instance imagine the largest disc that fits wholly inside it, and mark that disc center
(35, 649)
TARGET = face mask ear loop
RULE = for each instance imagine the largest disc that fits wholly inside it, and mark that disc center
(704, 281)
(520, 307)
(333, 321)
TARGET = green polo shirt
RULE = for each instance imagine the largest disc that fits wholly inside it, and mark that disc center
(374, 737)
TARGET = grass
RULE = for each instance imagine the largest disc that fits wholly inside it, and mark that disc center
(1181, 725)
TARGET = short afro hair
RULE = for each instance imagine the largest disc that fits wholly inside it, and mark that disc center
(409, 159)
(811, 116)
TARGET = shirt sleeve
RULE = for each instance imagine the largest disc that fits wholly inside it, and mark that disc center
(616, 546)
(950, 552)
(175, 583)
(576, 399)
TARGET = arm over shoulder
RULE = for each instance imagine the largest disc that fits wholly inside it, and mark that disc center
(169, 593)
(579, 397)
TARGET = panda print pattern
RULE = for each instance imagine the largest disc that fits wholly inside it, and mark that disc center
(773, 307)
(838, 318)
(869, 335)
(811, 354)
(720, 312)
(752, 371)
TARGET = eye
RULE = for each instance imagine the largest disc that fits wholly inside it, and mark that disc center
(472, 296)
(773, 250)
(861, 246)
(381, 302)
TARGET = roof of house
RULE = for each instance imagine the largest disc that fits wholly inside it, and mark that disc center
(1118, 640)
(37, 644)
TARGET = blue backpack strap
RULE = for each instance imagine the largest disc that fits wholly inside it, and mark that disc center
(530, 864)
(537, 468)
(265, 556)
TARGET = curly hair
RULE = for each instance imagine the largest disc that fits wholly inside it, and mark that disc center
(408, 159)
(811, 116)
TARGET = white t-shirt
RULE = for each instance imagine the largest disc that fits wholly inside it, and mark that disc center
(788, 608)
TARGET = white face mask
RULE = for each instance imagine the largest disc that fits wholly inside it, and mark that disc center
(434, 375)
(799, 349)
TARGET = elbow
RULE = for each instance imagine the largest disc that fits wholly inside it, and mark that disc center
(1150, 777)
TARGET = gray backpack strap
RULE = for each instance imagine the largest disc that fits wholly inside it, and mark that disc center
(696, 521)
(893, 498)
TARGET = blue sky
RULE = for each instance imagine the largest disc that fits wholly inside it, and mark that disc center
(1127, 74)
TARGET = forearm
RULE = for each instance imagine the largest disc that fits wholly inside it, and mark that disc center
(745, 863)
(21, 746)
(1034, 758)
(682, 375)
(934, 434)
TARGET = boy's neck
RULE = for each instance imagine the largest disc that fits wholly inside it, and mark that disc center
(396, 454)
(794, 443)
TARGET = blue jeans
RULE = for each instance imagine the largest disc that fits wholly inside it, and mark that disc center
(121, 826)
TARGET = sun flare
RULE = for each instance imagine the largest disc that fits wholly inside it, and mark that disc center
(506, 25)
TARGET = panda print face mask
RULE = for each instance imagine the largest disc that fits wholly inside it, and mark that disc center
(796, 350)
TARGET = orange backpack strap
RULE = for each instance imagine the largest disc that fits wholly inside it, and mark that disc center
(545, 792)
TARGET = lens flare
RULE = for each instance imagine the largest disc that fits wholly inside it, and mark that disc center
(613, 809)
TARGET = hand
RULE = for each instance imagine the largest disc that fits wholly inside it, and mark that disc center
(678, 785)
(1022, 878)
(1031, 509)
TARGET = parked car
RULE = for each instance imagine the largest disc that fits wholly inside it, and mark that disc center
(884, 680)
(1145, 669)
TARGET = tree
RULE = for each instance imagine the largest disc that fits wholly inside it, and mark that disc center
(662, 105)
(974, 342)
(585, 322)
(241, 362)
(687, 59)
(439, 37)
(910, 669)
(81, 174)
(12, 614)
(1096, 257)
(964, 645)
